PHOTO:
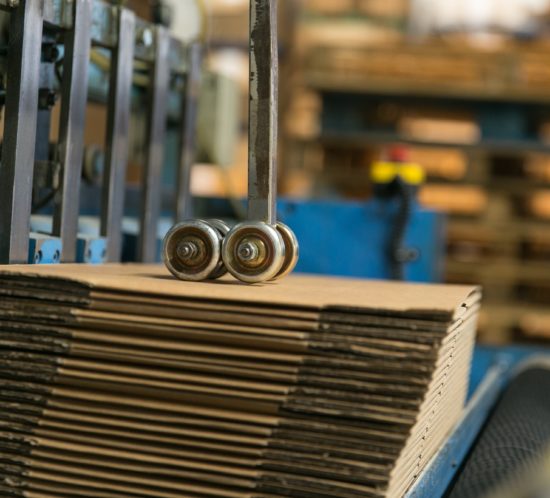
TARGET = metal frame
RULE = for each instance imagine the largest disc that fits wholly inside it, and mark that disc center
(86, 23)
(74, 92)
(17, 166)
(118, 122)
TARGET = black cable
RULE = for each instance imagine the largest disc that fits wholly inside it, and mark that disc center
(398, 254)
(42, 203)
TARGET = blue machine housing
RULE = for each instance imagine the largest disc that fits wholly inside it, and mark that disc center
(351, 239)
(340, 238)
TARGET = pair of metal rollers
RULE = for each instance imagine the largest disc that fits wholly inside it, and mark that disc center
(260, 249)
(252, 252)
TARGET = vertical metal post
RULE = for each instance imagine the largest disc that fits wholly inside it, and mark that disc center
(44, 117)
(263, 112)
(155, 145)
(188, 137)
(118, 121)
(17, 166)
(74, 91)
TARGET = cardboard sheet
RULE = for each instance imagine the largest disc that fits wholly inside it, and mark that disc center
(439, 302)
(119, 381)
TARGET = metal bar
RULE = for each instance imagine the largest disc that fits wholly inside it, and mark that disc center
(44, 117)
(118, 121)
(71, 132)
(155, 145)
(188, 138)
(16, 168)
(263, 112)
(46, 96)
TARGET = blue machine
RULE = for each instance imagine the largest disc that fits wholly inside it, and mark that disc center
(353, 241)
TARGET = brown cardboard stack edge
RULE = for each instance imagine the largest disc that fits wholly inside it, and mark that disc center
(118, 381)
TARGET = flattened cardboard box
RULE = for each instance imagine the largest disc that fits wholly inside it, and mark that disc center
(437, 302)
(119, 381)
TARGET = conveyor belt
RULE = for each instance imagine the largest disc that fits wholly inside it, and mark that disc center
(515, 437)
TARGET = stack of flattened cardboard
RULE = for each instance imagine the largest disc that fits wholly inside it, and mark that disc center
(119, 381)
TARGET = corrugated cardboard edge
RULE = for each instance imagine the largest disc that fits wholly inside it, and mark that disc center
(297, 291)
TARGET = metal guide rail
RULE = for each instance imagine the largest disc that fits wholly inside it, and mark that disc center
(260, 249)
(55, 38)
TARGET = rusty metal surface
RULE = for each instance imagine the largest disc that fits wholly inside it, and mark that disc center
(263, 112)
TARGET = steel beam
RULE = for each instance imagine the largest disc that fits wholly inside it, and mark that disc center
(155, 147)
(117, 143)
(188, 136)
(74, 91)
(17, 165)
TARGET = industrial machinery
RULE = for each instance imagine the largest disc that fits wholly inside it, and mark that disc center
(261, 248)
(150, 84)
(50, 51)
(45, 53)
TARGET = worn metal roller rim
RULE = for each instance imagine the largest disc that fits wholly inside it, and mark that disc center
(223, 229)
(254, 252)
(292, 250)
(192, 250)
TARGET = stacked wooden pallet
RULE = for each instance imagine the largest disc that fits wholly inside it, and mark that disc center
(505, 245)
(390, 9)
(432, 68)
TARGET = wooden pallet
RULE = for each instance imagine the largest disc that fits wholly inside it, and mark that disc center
(497, 192)
(389, 9)
(511, 73)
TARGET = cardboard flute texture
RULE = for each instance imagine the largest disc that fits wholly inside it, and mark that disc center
(119, 381)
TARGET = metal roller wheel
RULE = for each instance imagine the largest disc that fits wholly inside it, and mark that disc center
(253, 252)
(223, 229)
(192, 250)
(292, 250)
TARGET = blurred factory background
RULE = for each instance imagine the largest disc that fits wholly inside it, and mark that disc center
(460, 88)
